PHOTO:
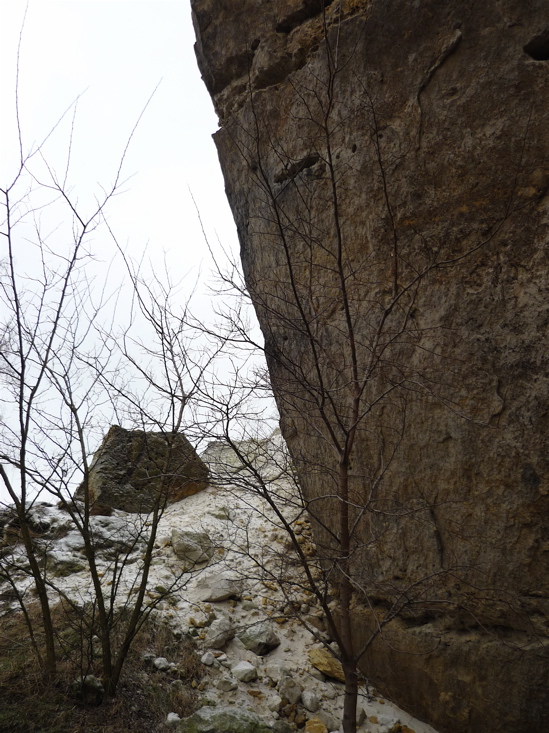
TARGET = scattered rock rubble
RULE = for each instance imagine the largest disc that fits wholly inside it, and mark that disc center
(263, 671)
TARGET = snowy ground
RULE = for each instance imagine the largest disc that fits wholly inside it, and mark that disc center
(243, 532)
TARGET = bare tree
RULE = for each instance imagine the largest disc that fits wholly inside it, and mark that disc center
(67, 370)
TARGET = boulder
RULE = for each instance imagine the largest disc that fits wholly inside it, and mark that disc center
(259, 638)
(132, 467)
(193, 548)
(223, 720)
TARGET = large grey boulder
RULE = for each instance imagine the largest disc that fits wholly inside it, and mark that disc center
(224, 720)
(260, 638)
(131, 468)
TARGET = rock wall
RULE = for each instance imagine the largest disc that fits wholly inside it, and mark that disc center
(387, 164)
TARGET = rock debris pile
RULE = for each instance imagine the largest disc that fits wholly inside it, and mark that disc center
(215, 559)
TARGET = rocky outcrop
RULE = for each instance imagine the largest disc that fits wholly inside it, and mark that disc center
(387, 164)
(132, 468)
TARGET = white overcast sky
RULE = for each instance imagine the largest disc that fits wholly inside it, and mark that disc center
(114, 53)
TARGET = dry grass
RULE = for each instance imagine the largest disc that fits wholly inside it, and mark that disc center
(31, 704)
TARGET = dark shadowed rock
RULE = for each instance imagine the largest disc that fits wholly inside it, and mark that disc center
(132, 468)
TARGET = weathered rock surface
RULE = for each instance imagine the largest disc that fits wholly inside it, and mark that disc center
(409, 166)
(132, 467)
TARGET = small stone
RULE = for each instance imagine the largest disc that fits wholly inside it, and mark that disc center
(221, 512)
(387, 719)
(315, 725)
(276, 671)
(216, 587)
(192, 548)
(317, 674)
(208, 659)
(274, 703)
(172, 720)
(220, 633)
(244, 671)
(310, 700)
(326, 663)
(259, 638)
(162, 664)
(290, 689)
(225, 684)
(329, 720)
(315, 621)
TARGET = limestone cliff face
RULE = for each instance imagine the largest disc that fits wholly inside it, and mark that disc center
(387, 163)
